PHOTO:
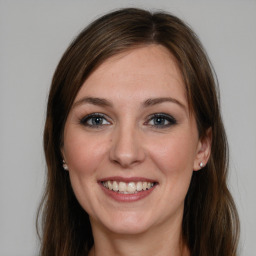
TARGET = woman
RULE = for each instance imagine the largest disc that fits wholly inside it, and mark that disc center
(135, 146)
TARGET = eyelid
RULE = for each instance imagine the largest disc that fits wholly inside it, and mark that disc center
(84, 120)
(169, 118)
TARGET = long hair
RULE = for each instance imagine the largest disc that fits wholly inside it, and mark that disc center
(210, 222)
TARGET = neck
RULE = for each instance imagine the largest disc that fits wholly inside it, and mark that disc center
(158, 241)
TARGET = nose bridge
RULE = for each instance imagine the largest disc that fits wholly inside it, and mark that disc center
(126, 147)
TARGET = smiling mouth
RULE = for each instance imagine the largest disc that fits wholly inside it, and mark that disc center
(129, 187)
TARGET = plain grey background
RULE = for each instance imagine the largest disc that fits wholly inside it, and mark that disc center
(33, 36)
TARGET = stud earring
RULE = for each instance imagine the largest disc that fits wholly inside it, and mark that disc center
(65, 166)
(201, 164)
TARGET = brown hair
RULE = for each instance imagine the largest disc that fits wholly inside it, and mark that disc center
(210, 222)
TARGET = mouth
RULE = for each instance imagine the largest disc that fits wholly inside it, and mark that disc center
(131, 187)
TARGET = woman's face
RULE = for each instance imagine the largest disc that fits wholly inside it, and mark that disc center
(131, 144)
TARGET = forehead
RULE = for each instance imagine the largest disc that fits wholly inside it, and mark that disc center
(145, 71)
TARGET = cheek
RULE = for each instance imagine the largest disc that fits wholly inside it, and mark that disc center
(83, 153)
(174, 154)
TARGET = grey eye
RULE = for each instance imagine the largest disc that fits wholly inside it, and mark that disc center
(161, 120)
(94, 120)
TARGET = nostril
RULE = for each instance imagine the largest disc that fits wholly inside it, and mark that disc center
(126, 147)
(126, 160)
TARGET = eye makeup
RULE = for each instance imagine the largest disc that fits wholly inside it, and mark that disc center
(94, 120)
(156, 120)
(161, 120)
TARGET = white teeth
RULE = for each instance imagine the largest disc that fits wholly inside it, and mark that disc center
(139, 186)
(127, 188)
(115, 186)
(144, 185)
(122, 187)
(109, 185)
(131, 188)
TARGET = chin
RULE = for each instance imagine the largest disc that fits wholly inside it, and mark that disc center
(128, 229)
(127, 224)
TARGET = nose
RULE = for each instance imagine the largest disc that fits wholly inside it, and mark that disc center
(127, 147)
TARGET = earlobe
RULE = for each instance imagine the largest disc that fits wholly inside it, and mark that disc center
(64, 164)
(203, 150)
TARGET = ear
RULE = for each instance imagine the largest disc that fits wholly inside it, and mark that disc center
(62, 152)
(203, 150)
(64, 163)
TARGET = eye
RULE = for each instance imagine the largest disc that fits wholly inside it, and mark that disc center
(94, 120)
(161, 120)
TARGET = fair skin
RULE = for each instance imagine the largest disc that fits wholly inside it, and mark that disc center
(129, 127)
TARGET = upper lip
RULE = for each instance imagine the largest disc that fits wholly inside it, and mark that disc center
(126, 179)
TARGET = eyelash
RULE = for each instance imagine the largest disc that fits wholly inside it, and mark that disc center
(160, 116)
(85, 120)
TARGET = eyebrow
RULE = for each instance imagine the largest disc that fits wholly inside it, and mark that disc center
(147, 103)
(94, 101)
(154, 101)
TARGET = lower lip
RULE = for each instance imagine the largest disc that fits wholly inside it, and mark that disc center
(127, 197)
